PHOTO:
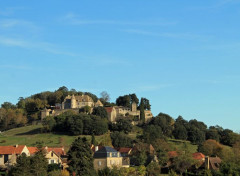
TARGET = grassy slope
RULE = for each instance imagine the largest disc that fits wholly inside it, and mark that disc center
(30, 135)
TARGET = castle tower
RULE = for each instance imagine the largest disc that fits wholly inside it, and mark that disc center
(134, 107)
(73, 102)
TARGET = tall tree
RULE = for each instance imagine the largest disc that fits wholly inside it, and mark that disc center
(80, 158)
(141, 108)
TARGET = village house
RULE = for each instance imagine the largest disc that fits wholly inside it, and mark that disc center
(53, 155)
(125, 153)
(8, 154)
(106, 157)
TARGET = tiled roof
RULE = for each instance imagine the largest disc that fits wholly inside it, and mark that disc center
(124, 150)
(198, 156)
(11, 149)
(214, 162)
(19, 149)
(103, 152)
(109, 109)
(172, 154)
(59, 151)
(32, 150)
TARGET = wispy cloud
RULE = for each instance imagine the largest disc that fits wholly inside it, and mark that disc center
(44, 46)
(187, 36)
(73, 19)
(10, 23)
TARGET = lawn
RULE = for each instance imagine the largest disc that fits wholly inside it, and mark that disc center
(182, 145)
(31, 136)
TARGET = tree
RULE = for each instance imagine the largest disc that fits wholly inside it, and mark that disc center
(93, 140)
(39, 164)
(180, 132)
(105, 97)
(212, 134)
(211, 148)
(195, 135)
(142, 113)
(85, 109)
(100, 111)
(8, 105)
(151, 133)
(124, 125)
(145, 103)
(153, 169)
(124, 101)
(183, 162)
(80, 158)
(22, 167)
(166, 123)
(119, 139)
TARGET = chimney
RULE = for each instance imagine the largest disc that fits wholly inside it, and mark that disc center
(96, 148)
(207, 162)
(16, 145)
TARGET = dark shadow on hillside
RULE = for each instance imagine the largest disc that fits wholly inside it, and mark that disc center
(32, 132)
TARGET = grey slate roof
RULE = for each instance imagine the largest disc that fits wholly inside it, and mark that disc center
(104, 152)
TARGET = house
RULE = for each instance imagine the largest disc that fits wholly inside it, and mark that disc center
(107, 157)
(8, 154)
(198, 156)
(79, 101)
(125, 153)
(53, 155)
(212, 163)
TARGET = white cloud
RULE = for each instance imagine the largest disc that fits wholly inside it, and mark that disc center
(187, 36)
(44, 46)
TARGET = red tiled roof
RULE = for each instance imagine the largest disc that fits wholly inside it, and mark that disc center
(93, 148)
(19, 149)
(172, 154)
(124, 150)
(11, 149)
(109, 109)
(7, 150)
(32, 150)
(198, 156)
(59, 151)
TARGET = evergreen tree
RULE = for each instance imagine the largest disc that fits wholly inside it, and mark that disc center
(142, 113)
(22, 167)
(80, 158)
(39, 164)
(93, 140)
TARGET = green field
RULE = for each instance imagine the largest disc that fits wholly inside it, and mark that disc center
(31, 136)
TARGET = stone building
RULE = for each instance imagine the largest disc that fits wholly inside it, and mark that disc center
(71, 102)
(117, 112)
(107, 157)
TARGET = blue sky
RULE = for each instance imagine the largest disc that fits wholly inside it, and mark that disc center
(181, 55)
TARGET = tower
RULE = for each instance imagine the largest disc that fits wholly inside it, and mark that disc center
(134, 107)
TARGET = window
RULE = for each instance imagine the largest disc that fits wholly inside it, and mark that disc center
(52, 161)
(114, 154)
(99, 163)
(52, 154)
